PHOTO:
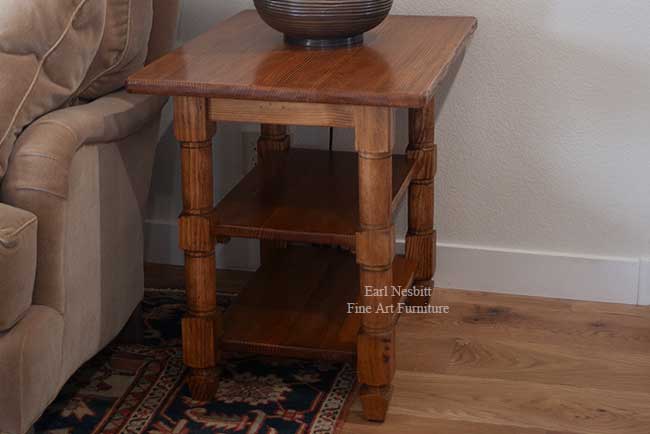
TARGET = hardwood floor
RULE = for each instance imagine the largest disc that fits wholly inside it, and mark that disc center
(503, 364)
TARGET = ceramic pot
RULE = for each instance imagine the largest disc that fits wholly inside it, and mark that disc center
(323, 23)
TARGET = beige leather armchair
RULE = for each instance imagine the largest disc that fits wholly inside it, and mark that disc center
(71, 238)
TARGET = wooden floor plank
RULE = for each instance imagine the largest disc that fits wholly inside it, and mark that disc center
(557, 323)
(356, 424)
(550, 364)
(521, 404)
(521, 361)
(626, 312)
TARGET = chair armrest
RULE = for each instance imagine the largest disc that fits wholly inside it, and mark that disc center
(17, 263)
(44, 151)
(39, 178)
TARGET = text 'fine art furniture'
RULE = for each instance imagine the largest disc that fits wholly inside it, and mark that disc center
(296, 305)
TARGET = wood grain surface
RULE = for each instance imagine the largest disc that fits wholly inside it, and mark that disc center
(420, 236)
(502, 364)
(296, 305)
(202, 323)
(401, 64)
(304, 195)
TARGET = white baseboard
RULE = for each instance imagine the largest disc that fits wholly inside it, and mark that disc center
(644, 282)
(542, 274)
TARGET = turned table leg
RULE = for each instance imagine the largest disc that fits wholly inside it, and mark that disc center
(375, 251)
(273, 138)
(421, 238)
(201, 325)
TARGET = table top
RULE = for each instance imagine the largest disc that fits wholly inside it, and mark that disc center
(401, 64)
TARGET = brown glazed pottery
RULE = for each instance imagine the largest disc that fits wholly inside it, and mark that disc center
(323, 23)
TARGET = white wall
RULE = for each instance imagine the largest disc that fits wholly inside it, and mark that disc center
(544, 150)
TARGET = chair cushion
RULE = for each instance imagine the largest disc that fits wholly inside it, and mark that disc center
(17, 263)
(123, 49)
(46, 48)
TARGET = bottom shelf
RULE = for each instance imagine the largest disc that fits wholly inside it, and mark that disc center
(296, 306)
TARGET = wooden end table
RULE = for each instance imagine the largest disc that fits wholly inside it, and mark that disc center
(296, 305)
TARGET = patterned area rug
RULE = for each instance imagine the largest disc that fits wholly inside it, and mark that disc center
(140, 388)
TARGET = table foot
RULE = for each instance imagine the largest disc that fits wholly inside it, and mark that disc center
(374, 401)
(203, 383)
(421, 300)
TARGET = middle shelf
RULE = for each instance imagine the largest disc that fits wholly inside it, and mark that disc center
(302, 195)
